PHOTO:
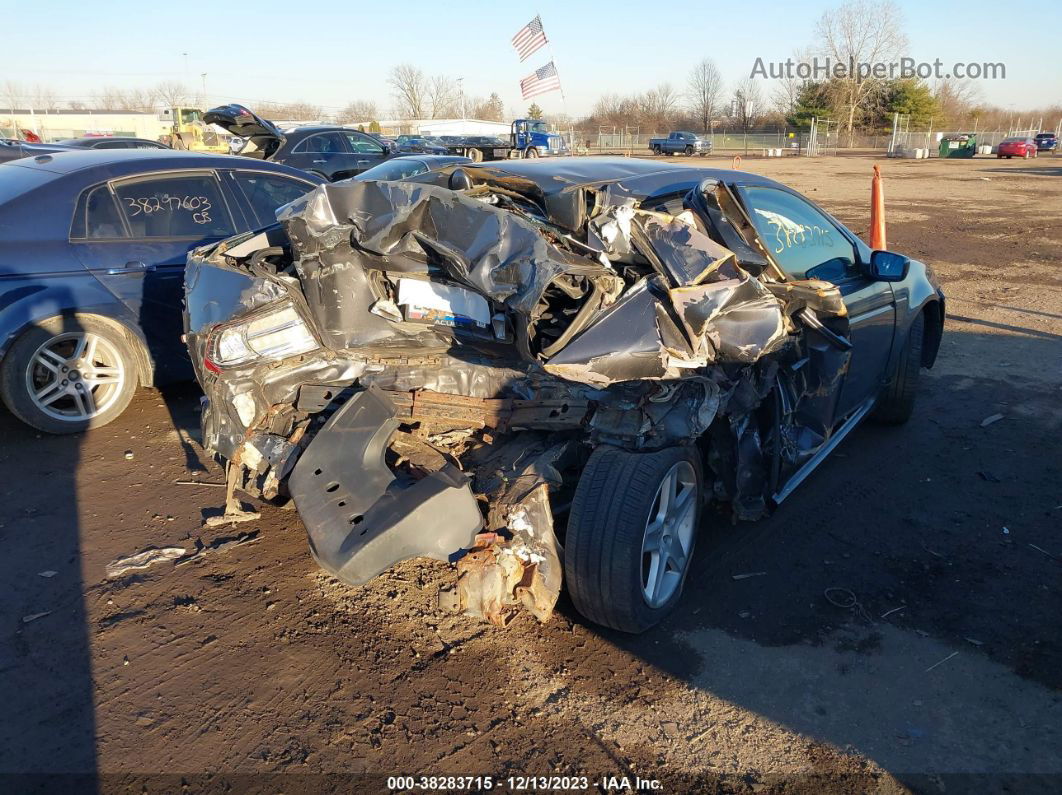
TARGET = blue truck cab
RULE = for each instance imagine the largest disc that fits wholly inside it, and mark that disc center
(532, 138)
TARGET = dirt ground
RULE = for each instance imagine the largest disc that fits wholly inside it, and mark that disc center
(942, 675)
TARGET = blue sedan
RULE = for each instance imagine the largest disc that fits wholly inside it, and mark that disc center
(92, 254)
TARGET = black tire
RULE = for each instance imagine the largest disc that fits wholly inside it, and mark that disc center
(603, 558)
(656, 150)
(689, 151)
(897, 400)
(19, 371)
(531, 152)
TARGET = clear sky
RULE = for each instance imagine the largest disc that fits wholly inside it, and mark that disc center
(328, 52)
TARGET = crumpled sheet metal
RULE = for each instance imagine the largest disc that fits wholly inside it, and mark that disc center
(638, 338)
(491, 249)
(721, 314)
(498, 574)
(738, 318)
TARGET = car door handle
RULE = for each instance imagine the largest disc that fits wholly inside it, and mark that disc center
(133, 266)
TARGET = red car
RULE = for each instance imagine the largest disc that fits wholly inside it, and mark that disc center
(1016, 147)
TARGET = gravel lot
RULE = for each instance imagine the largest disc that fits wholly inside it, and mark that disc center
(943, 675)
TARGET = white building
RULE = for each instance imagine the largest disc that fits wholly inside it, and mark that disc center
(54, 125)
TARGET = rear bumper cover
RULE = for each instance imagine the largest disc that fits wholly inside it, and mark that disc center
(359, 517)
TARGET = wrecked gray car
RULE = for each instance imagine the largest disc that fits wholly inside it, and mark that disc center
(541, 371)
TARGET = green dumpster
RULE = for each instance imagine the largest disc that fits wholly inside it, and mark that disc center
(958, 145)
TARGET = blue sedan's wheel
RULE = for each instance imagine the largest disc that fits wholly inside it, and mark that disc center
(69, 374)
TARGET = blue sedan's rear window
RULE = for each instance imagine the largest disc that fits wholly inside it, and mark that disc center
(16, 180)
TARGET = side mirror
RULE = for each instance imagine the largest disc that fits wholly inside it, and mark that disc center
(888, 266)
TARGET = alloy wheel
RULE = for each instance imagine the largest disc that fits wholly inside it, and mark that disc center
(75, 376)
(669, 534)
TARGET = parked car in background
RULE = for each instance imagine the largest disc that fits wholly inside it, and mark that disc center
(686, 143)
(415, 144)
(1046, 142)
(330, 152)
(92, 253)
(13, 149)
(111, 142)
(1016, 147)
(618, 338)
(407, 166)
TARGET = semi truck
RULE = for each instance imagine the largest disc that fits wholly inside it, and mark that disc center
(532, 138)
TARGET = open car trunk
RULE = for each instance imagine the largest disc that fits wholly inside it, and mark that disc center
(261, 137)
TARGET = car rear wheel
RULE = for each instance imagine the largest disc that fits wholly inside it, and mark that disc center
(69, 374)
(631, 535)
(897, 400)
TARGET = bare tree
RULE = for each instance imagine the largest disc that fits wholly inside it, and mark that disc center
(860, 32)
(444, 97)
(135, 99)
(703, 90)
(171, 94)
(290, 111)
(955, 99)
(409, 88)
(357, 110)
(658, 106)
(491, 109)
(748, 104)
(786, 89)
(13, 94)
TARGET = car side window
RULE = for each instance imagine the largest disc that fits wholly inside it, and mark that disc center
(112, 145)
(97, 216)
(363, 144)
(325, 143)
(175, 206)
(802, 240)
(267, 192)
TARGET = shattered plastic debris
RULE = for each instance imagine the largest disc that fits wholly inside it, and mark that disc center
(142, 560)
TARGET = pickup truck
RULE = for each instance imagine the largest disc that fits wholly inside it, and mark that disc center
(686, 142)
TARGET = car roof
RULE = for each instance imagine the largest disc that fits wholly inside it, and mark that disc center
(558, 173)
(122, 162)
(319, 128)
(88, 140)
(437, 159)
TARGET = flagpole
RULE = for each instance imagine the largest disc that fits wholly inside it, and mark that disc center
(553, 60)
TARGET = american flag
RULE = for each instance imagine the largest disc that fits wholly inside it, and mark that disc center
(529, 39)
(540, 81)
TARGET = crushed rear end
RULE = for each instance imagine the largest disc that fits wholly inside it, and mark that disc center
(424, 370)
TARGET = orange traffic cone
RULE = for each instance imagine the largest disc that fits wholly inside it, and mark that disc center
(877, 212)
